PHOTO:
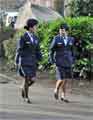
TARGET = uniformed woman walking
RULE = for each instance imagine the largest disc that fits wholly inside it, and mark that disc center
(27, 56)
(62, 54)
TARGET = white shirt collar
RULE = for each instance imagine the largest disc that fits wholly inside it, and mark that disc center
(30, 35)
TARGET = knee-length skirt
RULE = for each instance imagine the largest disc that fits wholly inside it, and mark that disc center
(63, 73)
(27, 71)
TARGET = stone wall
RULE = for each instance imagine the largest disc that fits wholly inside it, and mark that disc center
(46, 3)
(11, 4)
(6, 4)
(58, 5)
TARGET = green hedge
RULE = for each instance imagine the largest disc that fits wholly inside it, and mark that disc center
(81, 28)
(10, 48)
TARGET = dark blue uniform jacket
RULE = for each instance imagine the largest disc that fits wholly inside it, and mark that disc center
(61, 54)
(28, 51)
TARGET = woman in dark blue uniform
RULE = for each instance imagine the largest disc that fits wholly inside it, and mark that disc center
(62, 54)
(27, 56)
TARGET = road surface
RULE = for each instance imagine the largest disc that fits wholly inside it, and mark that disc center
(44, 106)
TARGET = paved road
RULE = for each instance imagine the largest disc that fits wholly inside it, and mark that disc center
(44, 106)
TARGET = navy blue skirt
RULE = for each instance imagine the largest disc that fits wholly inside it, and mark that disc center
(27, 71)
(63, 73)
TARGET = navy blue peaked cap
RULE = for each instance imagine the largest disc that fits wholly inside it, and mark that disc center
(64, 26)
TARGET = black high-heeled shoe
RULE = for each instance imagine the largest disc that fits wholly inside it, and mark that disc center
(56, 95)
(64, 100)
(27, 100)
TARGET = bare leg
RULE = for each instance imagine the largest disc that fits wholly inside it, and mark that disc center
(56, 91)
(63, 94)
(63, 87)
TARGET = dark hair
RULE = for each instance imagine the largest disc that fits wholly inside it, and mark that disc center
(64, 26)
(30, 23)
(25, 27)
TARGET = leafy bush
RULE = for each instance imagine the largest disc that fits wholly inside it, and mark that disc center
(81, 28)
(10, 48)
(81, 8)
